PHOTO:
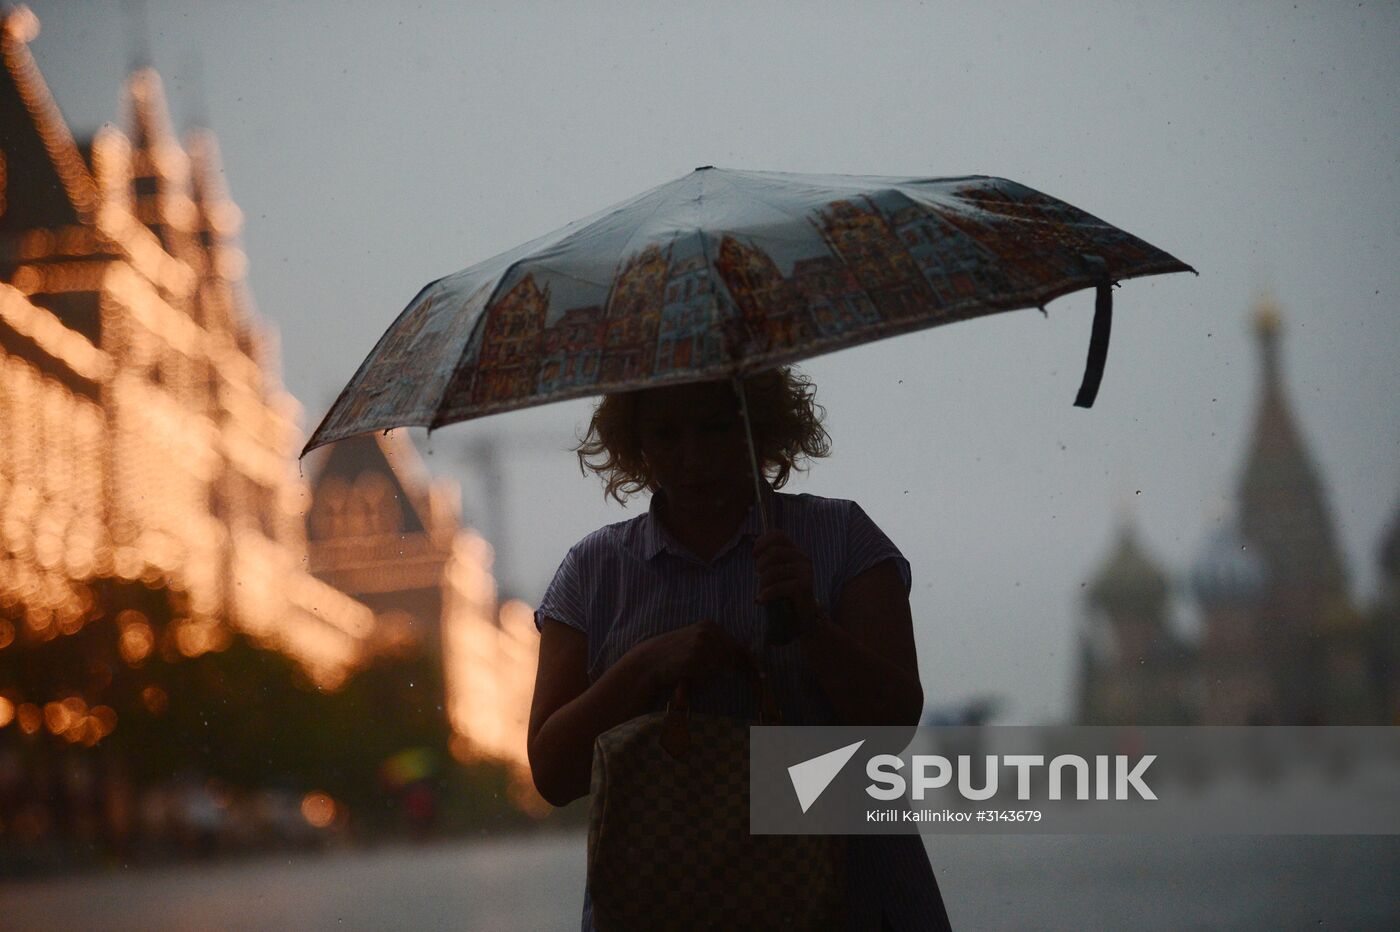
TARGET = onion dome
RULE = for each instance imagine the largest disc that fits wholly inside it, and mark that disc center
(1228, 570)
(1129, 581)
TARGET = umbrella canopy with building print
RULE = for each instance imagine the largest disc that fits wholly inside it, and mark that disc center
(723, 273)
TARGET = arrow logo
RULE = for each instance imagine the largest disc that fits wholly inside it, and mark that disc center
(811, 777)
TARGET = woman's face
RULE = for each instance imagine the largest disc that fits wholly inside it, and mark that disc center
(692, 437)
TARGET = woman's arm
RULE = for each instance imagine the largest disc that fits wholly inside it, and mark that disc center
(567, 714)
(864, 655)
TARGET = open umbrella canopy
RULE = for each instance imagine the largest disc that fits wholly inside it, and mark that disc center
(721, 273)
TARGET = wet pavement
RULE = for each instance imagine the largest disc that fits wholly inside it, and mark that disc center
(536, 883)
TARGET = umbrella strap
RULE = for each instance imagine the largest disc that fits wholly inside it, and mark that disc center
(753, 454)
(1098, 346)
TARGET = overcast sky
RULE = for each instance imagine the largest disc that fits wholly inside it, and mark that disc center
(376, 146)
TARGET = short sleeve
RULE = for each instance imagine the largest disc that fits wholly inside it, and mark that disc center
(866, 546)
(563, 599)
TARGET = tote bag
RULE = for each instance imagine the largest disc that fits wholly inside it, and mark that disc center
(669, 846)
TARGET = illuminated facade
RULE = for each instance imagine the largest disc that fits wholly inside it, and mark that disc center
(146, 438)
(151, 509)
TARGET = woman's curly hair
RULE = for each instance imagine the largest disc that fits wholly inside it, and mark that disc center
(782, 408)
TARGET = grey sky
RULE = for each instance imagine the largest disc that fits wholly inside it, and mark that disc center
(374, 147)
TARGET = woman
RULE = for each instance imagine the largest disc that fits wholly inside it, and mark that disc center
(678, 593)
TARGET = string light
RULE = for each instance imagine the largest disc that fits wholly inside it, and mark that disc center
(155, 700)
(30, 717)
(318, 809)
(19, 27)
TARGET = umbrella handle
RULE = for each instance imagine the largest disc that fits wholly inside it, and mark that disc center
(782, 622)
(781, 613)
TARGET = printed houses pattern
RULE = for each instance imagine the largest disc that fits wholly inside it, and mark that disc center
(558, 318)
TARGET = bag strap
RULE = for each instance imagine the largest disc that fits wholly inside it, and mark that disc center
(675, 728)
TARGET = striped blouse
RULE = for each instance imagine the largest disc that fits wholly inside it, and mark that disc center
(630, 581)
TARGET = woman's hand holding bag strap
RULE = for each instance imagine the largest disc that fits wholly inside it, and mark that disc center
(675, 728)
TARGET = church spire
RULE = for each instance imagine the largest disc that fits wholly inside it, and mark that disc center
(138, 35)
(1267, 323)
(1283, 507)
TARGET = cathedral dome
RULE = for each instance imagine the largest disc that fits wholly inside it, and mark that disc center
(1130, 579)
(1228, 570)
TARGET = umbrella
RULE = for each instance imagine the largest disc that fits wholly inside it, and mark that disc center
(722, 273)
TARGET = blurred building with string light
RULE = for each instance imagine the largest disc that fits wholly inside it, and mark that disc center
(383, 530)
(151, 511)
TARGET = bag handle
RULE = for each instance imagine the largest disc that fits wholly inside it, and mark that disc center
(675, 729)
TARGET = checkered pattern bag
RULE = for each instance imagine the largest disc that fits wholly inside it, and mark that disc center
(669, 846)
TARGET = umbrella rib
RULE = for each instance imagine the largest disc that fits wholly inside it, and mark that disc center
(711, 273)
(471, 337)
(715, 322)
(561, 273)
(623, 253)
(314, 440)
(587, 224)
(830, 247)
(729, 179)
(782, 210)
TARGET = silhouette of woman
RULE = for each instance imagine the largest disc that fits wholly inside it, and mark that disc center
(678, 592)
